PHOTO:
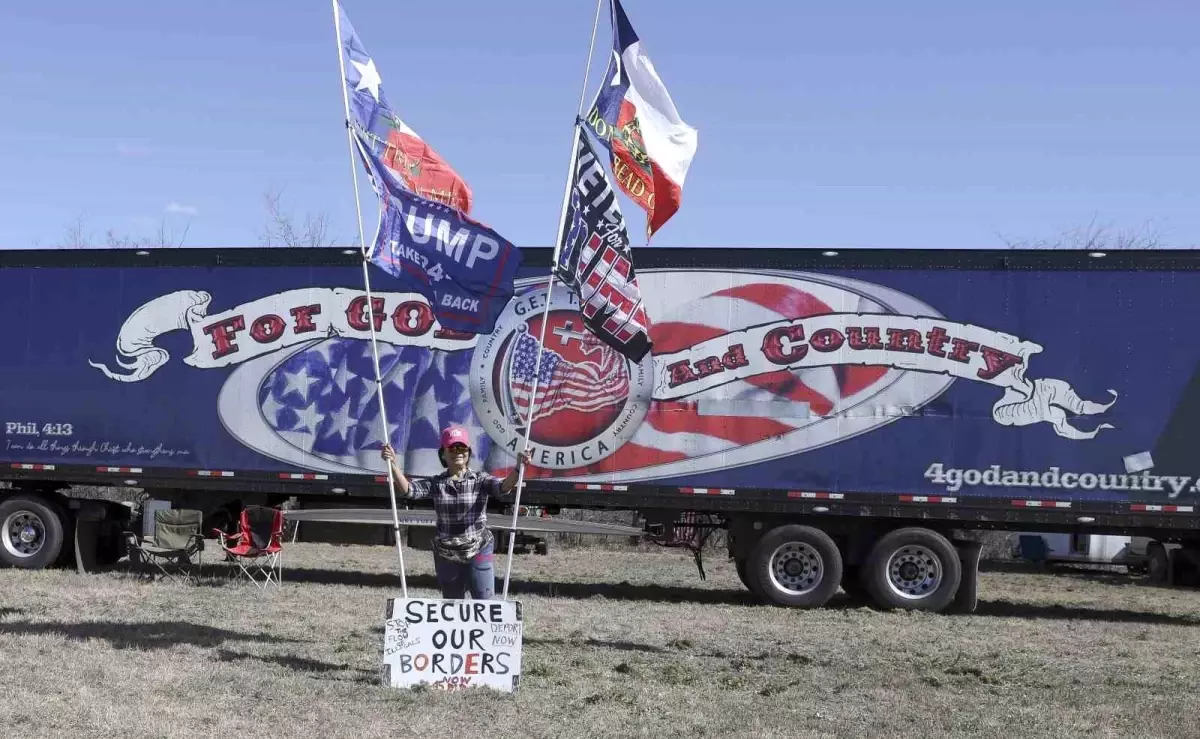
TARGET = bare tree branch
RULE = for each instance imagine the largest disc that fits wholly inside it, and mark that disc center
(1095, 237)
(281, 228)
(75, 236)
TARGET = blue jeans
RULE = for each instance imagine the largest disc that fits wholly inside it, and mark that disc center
(454, 578)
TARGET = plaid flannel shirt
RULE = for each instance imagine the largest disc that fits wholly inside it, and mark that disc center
(460, 505)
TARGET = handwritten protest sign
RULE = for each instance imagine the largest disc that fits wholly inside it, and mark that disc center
(452, 644)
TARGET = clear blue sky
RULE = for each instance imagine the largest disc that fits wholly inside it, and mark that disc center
(862, 123)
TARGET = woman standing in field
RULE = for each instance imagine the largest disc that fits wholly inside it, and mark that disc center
(463, 545)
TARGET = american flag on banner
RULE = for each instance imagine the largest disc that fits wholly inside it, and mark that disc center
(599, 381)
(595, 261)
(323, 401)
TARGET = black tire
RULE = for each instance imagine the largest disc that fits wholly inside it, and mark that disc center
(912, 569)
(542, 547)
(31, 532)
(1157, 563)
(797, 566)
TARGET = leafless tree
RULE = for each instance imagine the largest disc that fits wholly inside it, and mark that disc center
(282, 229)
(1095, 237)
(163, 237)
(78, 236)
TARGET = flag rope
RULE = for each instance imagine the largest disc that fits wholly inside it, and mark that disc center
(537, 367)
(362, 243)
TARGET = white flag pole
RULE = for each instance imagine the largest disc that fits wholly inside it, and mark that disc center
(537, 365)
(362, 243)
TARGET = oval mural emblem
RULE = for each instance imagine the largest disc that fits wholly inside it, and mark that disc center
(598, 416)
(589, 399)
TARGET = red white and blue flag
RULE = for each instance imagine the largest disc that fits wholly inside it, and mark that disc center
(465, 269)
(404, 154)
(595, 262)
(426, 236)
(651, 147)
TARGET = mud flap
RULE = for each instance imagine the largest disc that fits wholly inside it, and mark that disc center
(88, 520)
(966, 599)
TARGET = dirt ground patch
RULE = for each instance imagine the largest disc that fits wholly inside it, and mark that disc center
(617, 644)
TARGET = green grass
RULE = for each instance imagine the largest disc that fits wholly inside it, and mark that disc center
(616, 644)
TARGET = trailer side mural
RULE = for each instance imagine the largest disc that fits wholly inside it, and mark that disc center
(939, 382)
(843, 416)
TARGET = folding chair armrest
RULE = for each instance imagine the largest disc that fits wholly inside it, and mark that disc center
(222, 537)
(228, 542)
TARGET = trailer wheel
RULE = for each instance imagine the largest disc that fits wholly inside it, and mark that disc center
(31, 532)
(913, 569)
(797, 566)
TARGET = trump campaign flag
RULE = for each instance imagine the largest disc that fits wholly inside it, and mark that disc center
(403, 154)
(650, 146)
(594, 260)
(465, 269)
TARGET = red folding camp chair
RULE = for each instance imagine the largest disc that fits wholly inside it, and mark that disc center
(257, 545)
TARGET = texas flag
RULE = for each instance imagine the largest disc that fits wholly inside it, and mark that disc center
(651, 147)
(405, 154)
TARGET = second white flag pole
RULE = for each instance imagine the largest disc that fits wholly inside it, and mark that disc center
(537, 368)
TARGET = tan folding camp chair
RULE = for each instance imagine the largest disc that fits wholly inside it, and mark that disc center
(177, 540)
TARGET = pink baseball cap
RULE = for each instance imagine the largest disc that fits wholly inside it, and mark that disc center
(455, 435)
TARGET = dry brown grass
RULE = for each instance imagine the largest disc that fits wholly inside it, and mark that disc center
(617, 644)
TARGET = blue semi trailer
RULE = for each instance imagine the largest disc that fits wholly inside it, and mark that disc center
(845, 416)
